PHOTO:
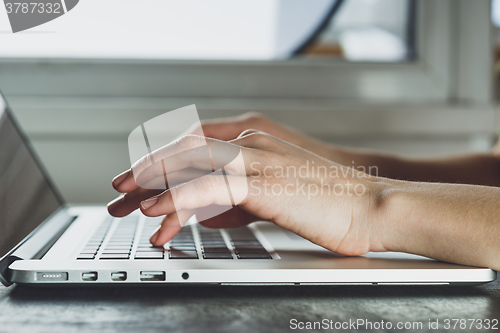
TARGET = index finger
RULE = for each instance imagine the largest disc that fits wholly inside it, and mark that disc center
(126, 181)
(186, 153)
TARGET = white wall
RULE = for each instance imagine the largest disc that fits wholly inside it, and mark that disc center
(83, 142)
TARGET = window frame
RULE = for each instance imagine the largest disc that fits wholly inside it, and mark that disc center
(84, 110)
(448, 76)
(432, 76)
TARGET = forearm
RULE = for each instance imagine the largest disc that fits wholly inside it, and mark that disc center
(449, 222)
(479, 169)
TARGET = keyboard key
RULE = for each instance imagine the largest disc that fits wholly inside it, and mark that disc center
(254, 256)
(183, 234)
(183, 254)
(150, 249)
(106, 251)
(148, 243)
(241, 234)
(209, 250)
(149, 255)
(214, 236)
(181, 243)
(115, 247)
(214, 246)
(207, 230)
(205, 233)
(115, 256)
(250, 250)
(119, 244)
(246, 243)
(224, 255)
(212, 243)
(89, 250)
(183, 248)
(85, 256)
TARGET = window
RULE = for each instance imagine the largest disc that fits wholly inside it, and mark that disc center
(366, 30)
(67, 95)
(109, 60)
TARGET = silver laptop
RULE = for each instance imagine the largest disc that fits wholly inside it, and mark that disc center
(43, 241)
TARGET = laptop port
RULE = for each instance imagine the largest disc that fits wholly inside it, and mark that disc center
(51, 276)
(89, 276)
(153, 276)
(119, 276)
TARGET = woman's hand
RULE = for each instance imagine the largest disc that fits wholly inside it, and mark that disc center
(227, 129)
(341, 209)
(328, 204)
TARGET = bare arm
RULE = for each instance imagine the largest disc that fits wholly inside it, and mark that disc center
(479, 169)
(450, 222)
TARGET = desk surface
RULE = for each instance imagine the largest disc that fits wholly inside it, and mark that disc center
(235, 309)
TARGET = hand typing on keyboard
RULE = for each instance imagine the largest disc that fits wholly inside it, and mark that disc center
(299, 185)
(320, 200)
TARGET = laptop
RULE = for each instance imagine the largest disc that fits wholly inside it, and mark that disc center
(43, 241)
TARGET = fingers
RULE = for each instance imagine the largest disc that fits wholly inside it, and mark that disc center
(125, 182)
(202, 192)
(229, 128)
(173, 223)
(197, 158)
(170, 226)
(213, 155)
(248, 132)
(187, 152)
(128, 202)
(233, 218)
(120, 178)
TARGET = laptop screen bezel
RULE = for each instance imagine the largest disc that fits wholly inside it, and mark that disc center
(8, 112)
(25, 140)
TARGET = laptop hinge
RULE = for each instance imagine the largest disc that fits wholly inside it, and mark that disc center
(5, 273)
(38, 243)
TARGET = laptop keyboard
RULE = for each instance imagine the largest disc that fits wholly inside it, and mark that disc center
(93, 246)
(116, 239)
(120, 244)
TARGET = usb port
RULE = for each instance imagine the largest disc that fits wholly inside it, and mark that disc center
(153, 276)
(89, 276)
(119, 276)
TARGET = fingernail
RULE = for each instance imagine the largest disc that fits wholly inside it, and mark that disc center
(149, 203)
(154, 237)
(119, 179)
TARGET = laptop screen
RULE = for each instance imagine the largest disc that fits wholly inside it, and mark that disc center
(26, 196)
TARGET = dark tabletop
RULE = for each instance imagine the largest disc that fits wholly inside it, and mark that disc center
(237, 309)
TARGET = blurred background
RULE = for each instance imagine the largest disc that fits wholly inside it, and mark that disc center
(412, 77)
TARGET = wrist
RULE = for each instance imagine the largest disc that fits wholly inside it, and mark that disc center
(389, 205)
